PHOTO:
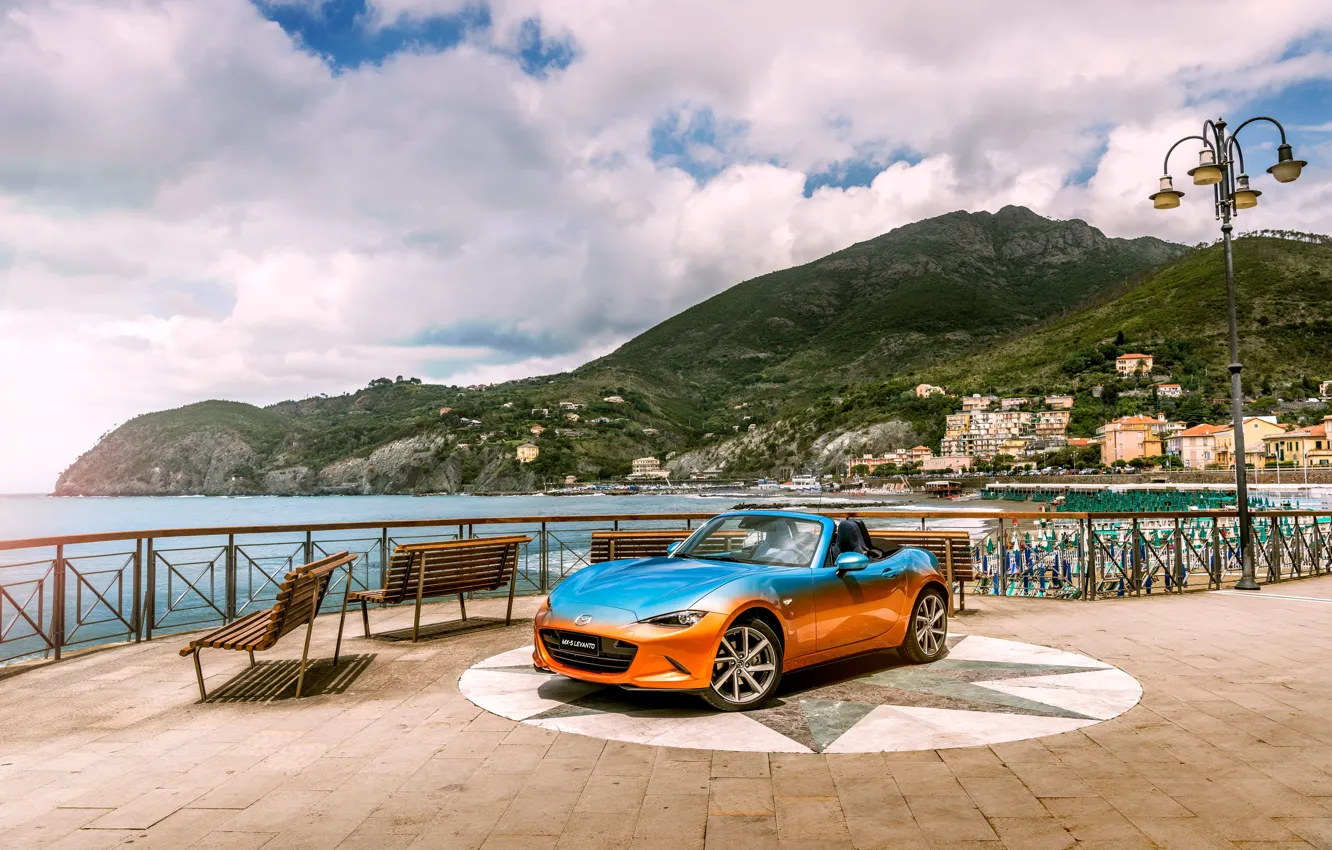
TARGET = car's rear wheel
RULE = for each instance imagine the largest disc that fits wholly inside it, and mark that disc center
(747, 669)
(927, 633)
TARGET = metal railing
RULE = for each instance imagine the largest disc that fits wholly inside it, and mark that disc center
(69, 592)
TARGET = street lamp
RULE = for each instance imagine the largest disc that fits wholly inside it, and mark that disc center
(1230, 194)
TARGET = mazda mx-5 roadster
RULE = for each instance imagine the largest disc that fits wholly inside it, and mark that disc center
(748, 596)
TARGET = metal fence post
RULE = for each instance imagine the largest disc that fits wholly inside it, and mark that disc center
(544, 586)
(136, 603)
(1177, 540)
(1215, 573)
(309, 548)
(1274, 550)
(58, 601)
(1135, 556)
(1089, 564)
(383, 559)
(230, 577)
(150, 593)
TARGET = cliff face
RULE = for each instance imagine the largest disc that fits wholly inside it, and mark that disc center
(122, 465)
(152, 457)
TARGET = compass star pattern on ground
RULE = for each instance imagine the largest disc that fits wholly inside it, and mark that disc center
(984, 691)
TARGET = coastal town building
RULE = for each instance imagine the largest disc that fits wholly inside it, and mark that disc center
(570, 405)
(1132, 437)
(1256, 430)
(1013, 403)
(648, 467)
(1133, 364)
(543, 412)
(1059, 402)
(572, 417)
(944, 463)
(1308, 446)
(900, 458)
(1195, 447)
(976, 402)
(927, 390)
(527, 453)
(537, 429)
(987, 433)
(1325, 389)
(1169, 390)
(445, 411)
(613, 399)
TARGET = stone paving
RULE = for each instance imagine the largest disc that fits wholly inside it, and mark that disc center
(1231, 746)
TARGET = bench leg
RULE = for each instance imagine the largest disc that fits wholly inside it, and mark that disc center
(342, 618)
(365, 617)
(462, 603)
(251, 653)
(508, 612)
(305, 653)
(198, 671)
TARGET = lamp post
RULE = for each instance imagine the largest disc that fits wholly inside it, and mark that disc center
(1230, 194)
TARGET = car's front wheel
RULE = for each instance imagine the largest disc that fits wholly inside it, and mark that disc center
(927, 633)
(747, 669)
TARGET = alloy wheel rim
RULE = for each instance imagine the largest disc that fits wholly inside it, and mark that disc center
(745, 666)
(931, 624)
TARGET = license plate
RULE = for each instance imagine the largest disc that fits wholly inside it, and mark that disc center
(574, 644)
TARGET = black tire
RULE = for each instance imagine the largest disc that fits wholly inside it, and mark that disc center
(733, 679)
(927, 630)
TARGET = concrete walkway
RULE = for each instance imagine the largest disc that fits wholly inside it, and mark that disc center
(1231, 746)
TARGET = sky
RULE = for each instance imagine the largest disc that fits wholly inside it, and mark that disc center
(269, 199)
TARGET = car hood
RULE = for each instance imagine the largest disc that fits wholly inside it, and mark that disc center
(646, 586)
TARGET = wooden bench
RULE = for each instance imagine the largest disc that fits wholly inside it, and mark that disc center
(298, 600)
(951, 548)
(420, 571)
(616, 545)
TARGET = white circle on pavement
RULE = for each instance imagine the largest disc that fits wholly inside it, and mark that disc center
(985, 691)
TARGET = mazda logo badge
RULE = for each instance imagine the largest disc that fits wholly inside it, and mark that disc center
(583, 620)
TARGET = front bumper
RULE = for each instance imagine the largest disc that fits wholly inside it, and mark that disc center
(658, 656)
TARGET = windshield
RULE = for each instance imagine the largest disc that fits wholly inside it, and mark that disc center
(774, 541)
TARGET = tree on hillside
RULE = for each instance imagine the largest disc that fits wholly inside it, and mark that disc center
(1119, 338)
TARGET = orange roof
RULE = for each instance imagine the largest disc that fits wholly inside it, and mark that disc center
(1318, 431)
(921, 449)
(1137, 420)
(1133, 357)
(1203, 430)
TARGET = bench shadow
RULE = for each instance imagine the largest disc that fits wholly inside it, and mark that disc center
(276, 680)
(430, 631)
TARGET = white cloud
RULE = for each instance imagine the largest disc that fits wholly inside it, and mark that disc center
(191, 206)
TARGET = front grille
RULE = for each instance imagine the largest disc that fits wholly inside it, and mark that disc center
(611, 656)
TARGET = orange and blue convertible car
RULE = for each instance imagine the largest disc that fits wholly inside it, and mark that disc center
(748, 596)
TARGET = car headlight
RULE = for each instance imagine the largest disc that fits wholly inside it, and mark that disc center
(678, 619)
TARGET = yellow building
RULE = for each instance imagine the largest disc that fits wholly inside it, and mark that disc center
(527, 453)
(1309, 446)
(1133, 364)
(1256, 430)
(1133, 437)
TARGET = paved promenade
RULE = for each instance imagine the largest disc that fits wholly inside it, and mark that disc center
(1230, 746)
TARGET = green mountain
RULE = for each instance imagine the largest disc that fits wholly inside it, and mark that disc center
(917, 295)
(863, 323)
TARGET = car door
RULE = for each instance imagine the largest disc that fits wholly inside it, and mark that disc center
(857, 606)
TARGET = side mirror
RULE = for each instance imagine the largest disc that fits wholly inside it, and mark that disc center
(851, 562)
(670, 550)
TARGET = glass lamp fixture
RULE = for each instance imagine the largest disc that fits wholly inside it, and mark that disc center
(1245, 198)
(1207, 172)
(1287, 168)
(1168, 197)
